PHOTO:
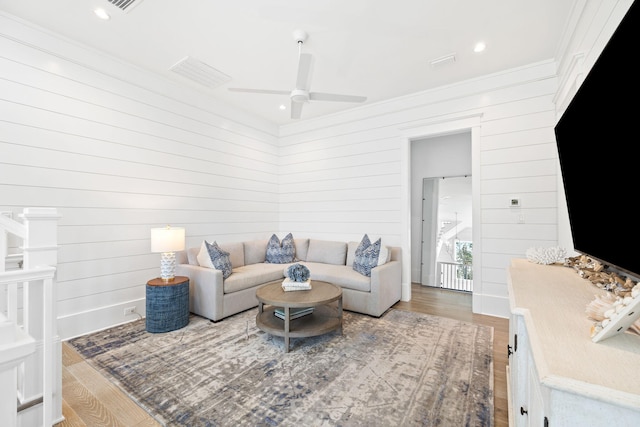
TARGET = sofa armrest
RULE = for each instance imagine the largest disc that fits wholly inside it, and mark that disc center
(206, 290)
(386, 283)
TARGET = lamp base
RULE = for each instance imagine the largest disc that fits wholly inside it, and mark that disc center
(167, 266)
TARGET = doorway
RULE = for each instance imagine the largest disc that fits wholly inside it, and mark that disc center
(447, 237)
(446, 155)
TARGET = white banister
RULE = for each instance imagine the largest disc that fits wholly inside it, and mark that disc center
(448, 272)
(13, 227)
(31, 292)
(15, 346)
(9, 226)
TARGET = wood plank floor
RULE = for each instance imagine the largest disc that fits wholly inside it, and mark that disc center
(90, 400)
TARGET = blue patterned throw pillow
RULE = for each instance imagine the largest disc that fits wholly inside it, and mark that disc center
(280, 252)
(220, 259)
(366, 256)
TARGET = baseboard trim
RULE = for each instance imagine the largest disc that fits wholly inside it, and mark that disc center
(85, 322)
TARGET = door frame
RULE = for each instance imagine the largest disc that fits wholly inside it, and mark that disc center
(427, 129)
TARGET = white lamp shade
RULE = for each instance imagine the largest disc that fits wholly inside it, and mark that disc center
(167, 239)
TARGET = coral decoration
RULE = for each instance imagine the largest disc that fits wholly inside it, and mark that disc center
(546, 255)
(298, 273)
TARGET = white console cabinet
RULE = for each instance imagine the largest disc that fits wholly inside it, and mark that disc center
(557, 376)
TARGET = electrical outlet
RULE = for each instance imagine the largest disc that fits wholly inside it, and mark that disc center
(129, 310)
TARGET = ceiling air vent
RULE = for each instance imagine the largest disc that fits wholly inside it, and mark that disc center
(443, 60)
(200, 72)
(125, 5)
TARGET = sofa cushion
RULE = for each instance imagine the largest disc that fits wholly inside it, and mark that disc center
(219, 258)
(280, 252)
(254, 251)
(302, 247)
(236, 252)
(351, 252)
(341, 275)
(192, 256)
(327, 252)
(252, 275)
(367, 255)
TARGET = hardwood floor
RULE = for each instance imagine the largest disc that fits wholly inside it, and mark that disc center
(90, 400)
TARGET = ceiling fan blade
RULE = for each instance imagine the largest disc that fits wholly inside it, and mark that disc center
(296, 109)
(320, 96)
(267, 91)
(304, 71)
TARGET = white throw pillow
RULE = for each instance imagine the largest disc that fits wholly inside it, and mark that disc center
(384, 256)
(204, 259)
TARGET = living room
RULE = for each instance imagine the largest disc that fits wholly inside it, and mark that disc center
(119, 150)
(134, 151)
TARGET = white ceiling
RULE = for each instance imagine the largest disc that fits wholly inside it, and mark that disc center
(380, 49)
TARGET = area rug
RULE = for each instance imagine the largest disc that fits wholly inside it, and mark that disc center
(403, 369)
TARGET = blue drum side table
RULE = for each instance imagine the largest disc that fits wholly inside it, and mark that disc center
(167, 304)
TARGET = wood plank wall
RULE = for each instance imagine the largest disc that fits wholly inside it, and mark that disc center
(351, 168)
(353, 161)
(118, 151)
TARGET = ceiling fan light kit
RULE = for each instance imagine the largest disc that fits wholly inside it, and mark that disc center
(300, 36)
(301, 94)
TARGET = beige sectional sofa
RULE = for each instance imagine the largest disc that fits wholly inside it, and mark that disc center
(214, 298)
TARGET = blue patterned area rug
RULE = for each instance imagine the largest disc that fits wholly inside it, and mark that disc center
(403, 369)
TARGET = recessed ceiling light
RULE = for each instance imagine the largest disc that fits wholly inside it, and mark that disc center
(283, 107)
(479, 47)
(102, 14)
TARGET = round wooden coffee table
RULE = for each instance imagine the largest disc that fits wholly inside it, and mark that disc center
(325, 317)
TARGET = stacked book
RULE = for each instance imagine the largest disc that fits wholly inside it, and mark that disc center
(294, 313)
(290, 285)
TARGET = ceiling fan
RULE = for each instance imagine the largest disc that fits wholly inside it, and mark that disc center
(300, 94)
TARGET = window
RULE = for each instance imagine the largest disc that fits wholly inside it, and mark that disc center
(464, 256)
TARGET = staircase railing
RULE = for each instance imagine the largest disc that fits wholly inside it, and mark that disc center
(30, 349)
(452, 276)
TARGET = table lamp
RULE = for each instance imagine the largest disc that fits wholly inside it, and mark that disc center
(167, 241)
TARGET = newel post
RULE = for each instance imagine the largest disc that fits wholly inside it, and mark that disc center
(41, 240)
(44, 372)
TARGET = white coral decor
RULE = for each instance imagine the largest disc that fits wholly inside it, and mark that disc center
(546, 255)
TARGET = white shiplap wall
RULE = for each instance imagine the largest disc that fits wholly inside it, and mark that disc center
(340, 186)
(118, 151)
(345, 175)
(514, 154)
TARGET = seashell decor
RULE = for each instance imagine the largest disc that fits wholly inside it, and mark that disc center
(605, 308)
(550, 255)
(601, 276)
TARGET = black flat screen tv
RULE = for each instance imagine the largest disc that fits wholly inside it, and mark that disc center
(597, 140)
